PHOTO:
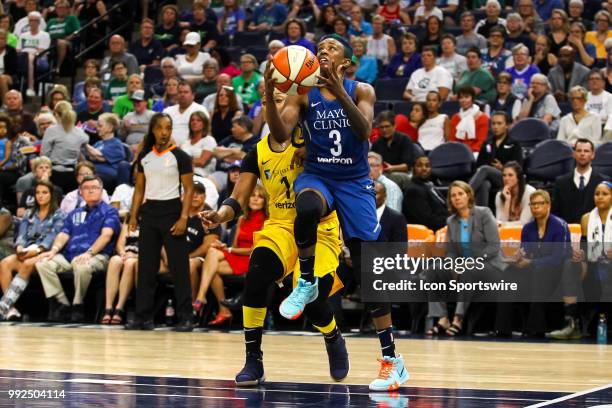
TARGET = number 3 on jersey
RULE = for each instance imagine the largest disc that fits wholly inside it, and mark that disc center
(337, 149)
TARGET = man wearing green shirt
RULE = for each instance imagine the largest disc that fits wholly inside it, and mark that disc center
(478, 78)
(61, 29)
(245, 84)
(124, 104)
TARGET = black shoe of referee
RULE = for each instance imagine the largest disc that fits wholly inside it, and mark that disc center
(252, 374)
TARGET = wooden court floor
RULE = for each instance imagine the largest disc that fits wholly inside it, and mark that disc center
(301, 358)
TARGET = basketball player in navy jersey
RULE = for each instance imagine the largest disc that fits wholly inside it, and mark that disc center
(337, 118)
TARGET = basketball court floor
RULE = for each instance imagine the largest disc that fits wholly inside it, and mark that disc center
(69, 365)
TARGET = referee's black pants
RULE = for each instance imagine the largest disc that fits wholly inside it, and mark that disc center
(156, 219)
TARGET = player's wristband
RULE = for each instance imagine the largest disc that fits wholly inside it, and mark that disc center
(234, 205)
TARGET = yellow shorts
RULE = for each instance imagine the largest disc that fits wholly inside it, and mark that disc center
(279, 238)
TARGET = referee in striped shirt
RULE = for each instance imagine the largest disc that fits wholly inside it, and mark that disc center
(163, 169)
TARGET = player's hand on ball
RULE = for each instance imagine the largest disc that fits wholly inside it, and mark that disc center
(335, 80)
(210, 219)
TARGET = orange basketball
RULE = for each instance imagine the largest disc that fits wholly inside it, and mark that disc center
(296, 70)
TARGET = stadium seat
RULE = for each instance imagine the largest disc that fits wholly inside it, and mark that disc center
(575, 232)
(276, 35)
(418, 150)
(390, 89)
(403, 107)
(380, 106)
(510, 239)
(603, 159)
(549, 159)
(438, 249)
(566, 107)
(261, 53)
(419, 239)
(451, 161)
(449, 108)
(250, 39)
(529, 132)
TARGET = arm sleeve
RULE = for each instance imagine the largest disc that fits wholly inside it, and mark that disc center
(249, 163)
(115, 154)
(183, 160)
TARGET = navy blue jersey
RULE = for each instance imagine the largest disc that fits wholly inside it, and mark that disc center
(334, 151)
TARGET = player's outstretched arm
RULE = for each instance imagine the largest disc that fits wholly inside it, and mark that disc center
(241, 193)
(281, 123)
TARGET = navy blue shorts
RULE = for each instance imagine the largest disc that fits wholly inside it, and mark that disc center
(353, 200)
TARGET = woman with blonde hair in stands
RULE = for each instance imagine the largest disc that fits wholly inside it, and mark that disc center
(62, 144)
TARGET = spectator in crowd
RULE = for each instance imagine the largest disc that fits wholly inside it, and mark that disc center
(404, 63)
(380, 45)
(190, 65)
(496, 58)
(87, 118)
(12, 161)
(538, 258)
(120, 276)
(79, 93)
(62, 143)
(449, 59)
(232, 18)
(118, 83)
(125, 103)
(147, 50)
(204, 26)
(170, 97)
(245, 84)
(585, 52)
(368, 66)
(546, 8)
(429, 78)
(295, 34)
(23, 24)
(74, 199)
(35, 235)
(477, 77)
(325, 22)
(472, 231)
(117, 52)
(391, 11)
(341, 26)
(436, 128)
(344, 8)
(61, 29)
(601, 33)
(516, 33)
(23, 122)
(169, 70)
(58, 93)
(208, 84)
(41, 170)
(425, 10)
(359, 26)
(305, 10)
(512, 202)
(8, 68)
(268, 16)
(567, 74)
(396, 149)
(200, 145)
(522, 71)
(234, 147)
(392, 221)
(223, 80)
(493, 19)
(181, 112)
(540, 103)
(83, 247)
(135, 124)
(495, 152)
(393, 194)
(469, 126)
(559, 30)
(108, 152)
(418, 115)
(469, 38)
(168, 32)
(6, 233)
(573, 192)
(599, 101)
(273, 47)
(422, 203)
(505, 101)
(575, 13)
(225, 110)
(5, 24)
(432, 35)
(43, 120)
(580, 123)
(543, 58)
(223, 260)
(33, 42)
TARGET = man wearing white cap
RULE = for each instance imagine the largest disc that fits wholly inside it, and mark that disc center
(190, 65)
(34, 41)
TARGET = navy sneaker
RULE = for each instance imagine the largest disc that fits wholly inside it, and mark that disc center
(252, 374)
(337, 355)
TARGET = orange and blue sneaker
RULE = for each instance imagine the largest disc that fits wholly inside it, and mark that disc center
(392, 374)
(304, 292)
(252, 374)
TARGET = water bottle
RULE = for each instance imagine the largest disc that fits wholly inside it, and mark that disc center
(169, 313)
(602, 330)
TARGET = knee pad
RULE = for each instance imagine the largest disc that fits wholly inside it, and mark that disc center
(264, 269)
(379, 309)
(309, 208)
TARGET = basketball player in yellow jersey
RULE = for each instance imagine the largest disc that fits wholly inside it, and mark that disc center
(275, 254)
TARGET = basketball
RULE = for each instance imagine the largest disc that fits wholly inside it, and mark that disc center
(296, 70)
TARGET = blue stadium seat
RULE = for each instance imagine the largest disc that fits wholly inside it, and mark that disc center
(250, 39)
(417, 150)
(261, 53)
(449, 108)
(390, 89)
(549, 159)
(603, 159)
(529, 132)
(403, 107)
(566, 107)
(380, 106)
(451, 161)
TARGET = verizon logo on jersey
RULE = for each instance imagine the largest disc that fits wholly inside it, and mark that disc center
(335, 160)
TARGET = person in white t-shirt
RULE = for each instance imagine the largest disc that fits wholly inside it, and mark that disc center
(200, 145)
(427, 9)
(451, 61)
(190, 65)
(181, 112)
(429, 78)
(34, 42)
(599, 101)
(23, 25)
